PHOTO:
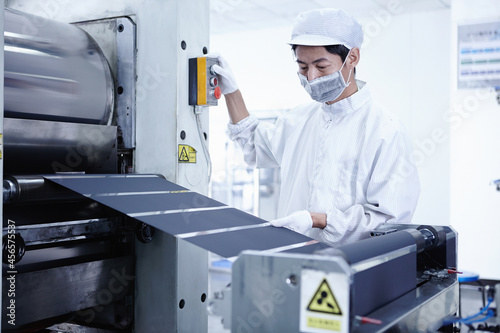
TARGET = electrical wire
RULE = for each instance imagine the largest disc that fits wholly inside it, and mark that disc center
(473, 318)
(466, 320)
(489, 315)
(204, 144)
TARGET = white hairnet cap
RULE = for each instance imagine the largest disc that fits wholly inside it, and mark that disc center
(327, 26)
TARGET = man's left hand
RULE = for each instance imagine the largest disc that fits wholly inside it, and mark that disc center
(300, 221)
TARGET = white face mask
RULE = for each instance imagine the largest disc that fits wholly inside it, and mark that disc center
(326, 88)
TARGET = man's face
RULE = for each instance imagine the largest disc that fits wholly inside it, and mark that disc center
(316, 61)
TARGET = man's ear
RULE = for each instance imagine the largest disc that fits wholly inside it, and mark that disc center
(353, 57)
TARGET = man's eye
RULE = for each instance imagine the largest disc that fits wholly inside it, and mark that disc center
(321, 67)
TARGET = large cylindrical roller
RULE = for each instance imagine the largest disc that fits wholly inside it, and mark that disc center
(54, 71)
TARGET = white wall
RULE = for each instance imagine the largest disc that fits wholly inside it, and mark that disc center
(405, 60)
(266, 73)
(475, 157)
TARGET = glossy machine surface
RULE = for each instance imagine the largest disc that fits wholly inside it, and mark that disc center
(59, 98)
(54, 71)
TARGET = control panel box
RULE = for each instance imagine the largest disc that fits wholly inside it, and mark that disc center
(203, 82)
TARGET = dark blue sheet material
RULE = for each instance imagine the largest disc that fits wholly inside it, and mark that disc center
(153, 208)
(181, 223)
(230, 244)
(129, 204)
(86, 184)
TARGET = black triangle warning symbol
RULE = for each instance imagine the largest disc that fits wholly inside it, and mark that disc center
(324, 301)
(183, 156)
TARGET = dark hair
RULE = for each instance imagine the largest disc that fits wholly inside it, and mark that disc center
(337, 49)
(341, 50)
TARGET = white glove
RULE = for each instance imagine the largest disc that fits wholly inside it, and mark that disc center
(299, 221)
(227, 81)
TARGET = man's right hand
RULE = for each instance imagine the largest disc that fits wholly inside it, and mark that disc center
(227, 81)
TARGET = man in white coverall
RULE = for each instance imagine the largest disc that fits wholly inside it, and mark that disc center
(346, 166)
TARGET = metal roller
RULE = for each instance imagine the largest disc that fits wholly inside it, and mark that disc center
(59, 99)
(28, 189)
(34, 147)
(54, 71)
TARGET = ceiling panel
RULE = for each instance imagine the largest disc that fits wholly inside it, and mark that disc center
(238, 15)
(356, 8)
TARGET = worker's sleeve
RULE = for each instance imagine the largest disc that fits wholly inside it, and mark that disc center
(392, 193)
(258, 141)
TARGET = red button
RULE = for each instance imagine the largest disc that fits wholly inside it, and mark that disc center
(217, 92)
(213, 82)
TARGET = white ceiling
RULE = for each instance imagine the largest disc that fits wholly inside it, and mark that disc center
(238, 15)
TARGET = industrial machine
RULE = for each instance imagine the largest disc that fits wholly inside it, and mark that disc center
(401, 281)
(106, 226)
(99, 88)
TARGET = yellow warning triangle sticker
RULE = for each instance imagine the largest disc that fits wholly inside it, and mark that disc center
(324, 301)
(183, 156)
(187, 154)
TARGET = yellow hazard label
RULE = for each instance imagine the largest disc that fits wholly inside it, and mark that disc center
(325, 324)
(187, 154)
(324, 301)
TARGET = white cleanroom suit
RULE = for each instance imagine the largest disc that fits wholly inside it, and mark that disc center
(349, 160)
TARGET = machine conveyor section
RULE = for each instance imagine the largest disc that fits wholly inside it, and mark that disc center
(175, 210)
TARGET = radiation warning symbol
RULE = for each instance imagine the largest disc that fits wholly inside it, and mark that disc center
(187, 154)
(324, 301)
